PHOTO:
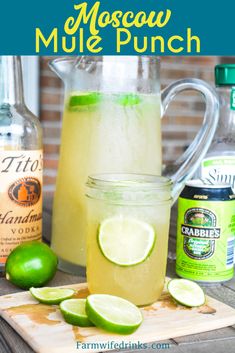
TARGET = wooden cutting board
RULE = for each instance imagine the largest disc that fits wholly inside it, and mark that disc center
(44, 329)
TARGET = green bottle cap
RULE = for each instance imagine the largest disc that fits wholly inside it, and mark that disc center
(225, 75)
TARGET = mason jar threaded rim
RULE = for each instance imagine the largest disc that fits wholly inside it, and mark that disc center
(129, 188)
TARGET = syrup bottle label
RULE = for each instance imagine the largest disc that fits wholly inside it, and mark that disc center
(232, 99)
(219, 169)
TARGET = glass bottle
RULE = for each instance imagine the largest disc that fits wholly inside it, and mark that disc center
(219, 164)
(20, 163)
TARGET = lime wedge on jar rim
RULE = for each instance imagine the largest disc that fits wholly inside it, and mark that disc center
(49, 295)
(86, 98)
(186, 292)
(113, 314)
(126, 241)
(74, 312)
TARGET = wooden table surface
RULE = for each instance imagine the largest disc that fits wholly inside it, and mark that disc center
(217, 341)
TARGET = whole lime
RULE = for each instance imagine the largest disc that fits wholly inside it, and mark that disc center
(31, 264)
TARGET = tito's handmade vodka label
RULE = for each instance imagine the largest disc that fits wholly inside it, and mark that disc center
(20, 199)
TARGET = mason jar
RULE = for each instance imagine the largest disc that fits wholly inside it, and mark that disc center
(127, 231)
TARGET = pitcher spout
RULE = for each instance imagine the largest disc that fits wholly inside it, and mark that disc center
(62, 66)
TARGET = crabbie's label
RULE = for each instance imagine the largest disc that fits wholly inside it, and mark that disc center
(20, 199)
(205, 239)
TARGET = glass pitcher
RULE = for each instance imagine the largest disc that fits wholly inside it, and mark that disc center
(112, 124)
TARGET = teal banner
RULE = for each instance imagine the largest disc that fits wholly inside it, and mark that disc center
(118, 27)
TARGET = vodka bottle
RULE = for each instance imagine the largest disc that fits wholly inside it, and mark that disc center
(20, 163)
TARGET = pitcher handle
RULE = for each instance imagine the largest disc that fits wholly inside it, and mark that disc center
(186, 165)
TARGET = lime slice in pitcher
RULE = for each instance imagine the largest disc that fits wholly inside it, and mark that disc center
(128, 99)
(126, 241)
(74, 313)
(113, 313)
(49, 295)
(84, 99)
(186, 292)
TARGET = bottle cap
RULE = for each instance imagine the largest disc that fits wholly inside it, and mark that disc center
(225, 74)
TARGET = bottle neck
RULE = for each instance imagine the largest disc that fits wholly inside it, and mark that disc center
(226, 124)
(11, 83)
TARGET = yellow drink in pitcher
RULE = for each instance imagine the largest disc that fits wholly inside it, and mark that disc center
(101, 133)
(127, 231)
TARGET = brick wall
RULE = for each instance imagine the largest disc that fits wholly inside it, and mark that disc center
(179, 126)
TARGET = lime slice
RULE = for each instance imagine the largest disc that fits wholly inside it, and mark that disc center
(74, 313)
(49, 295)
(128, 99)
(186, 292)
(84, 99)
(113, 313)
(126, 241)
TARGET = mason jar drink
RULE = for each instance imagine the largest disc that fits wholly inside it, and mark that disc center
(127, 232)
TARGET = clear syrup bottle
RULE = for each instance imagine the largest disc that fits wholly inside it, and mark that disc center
(20, 163)
(219, 164)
